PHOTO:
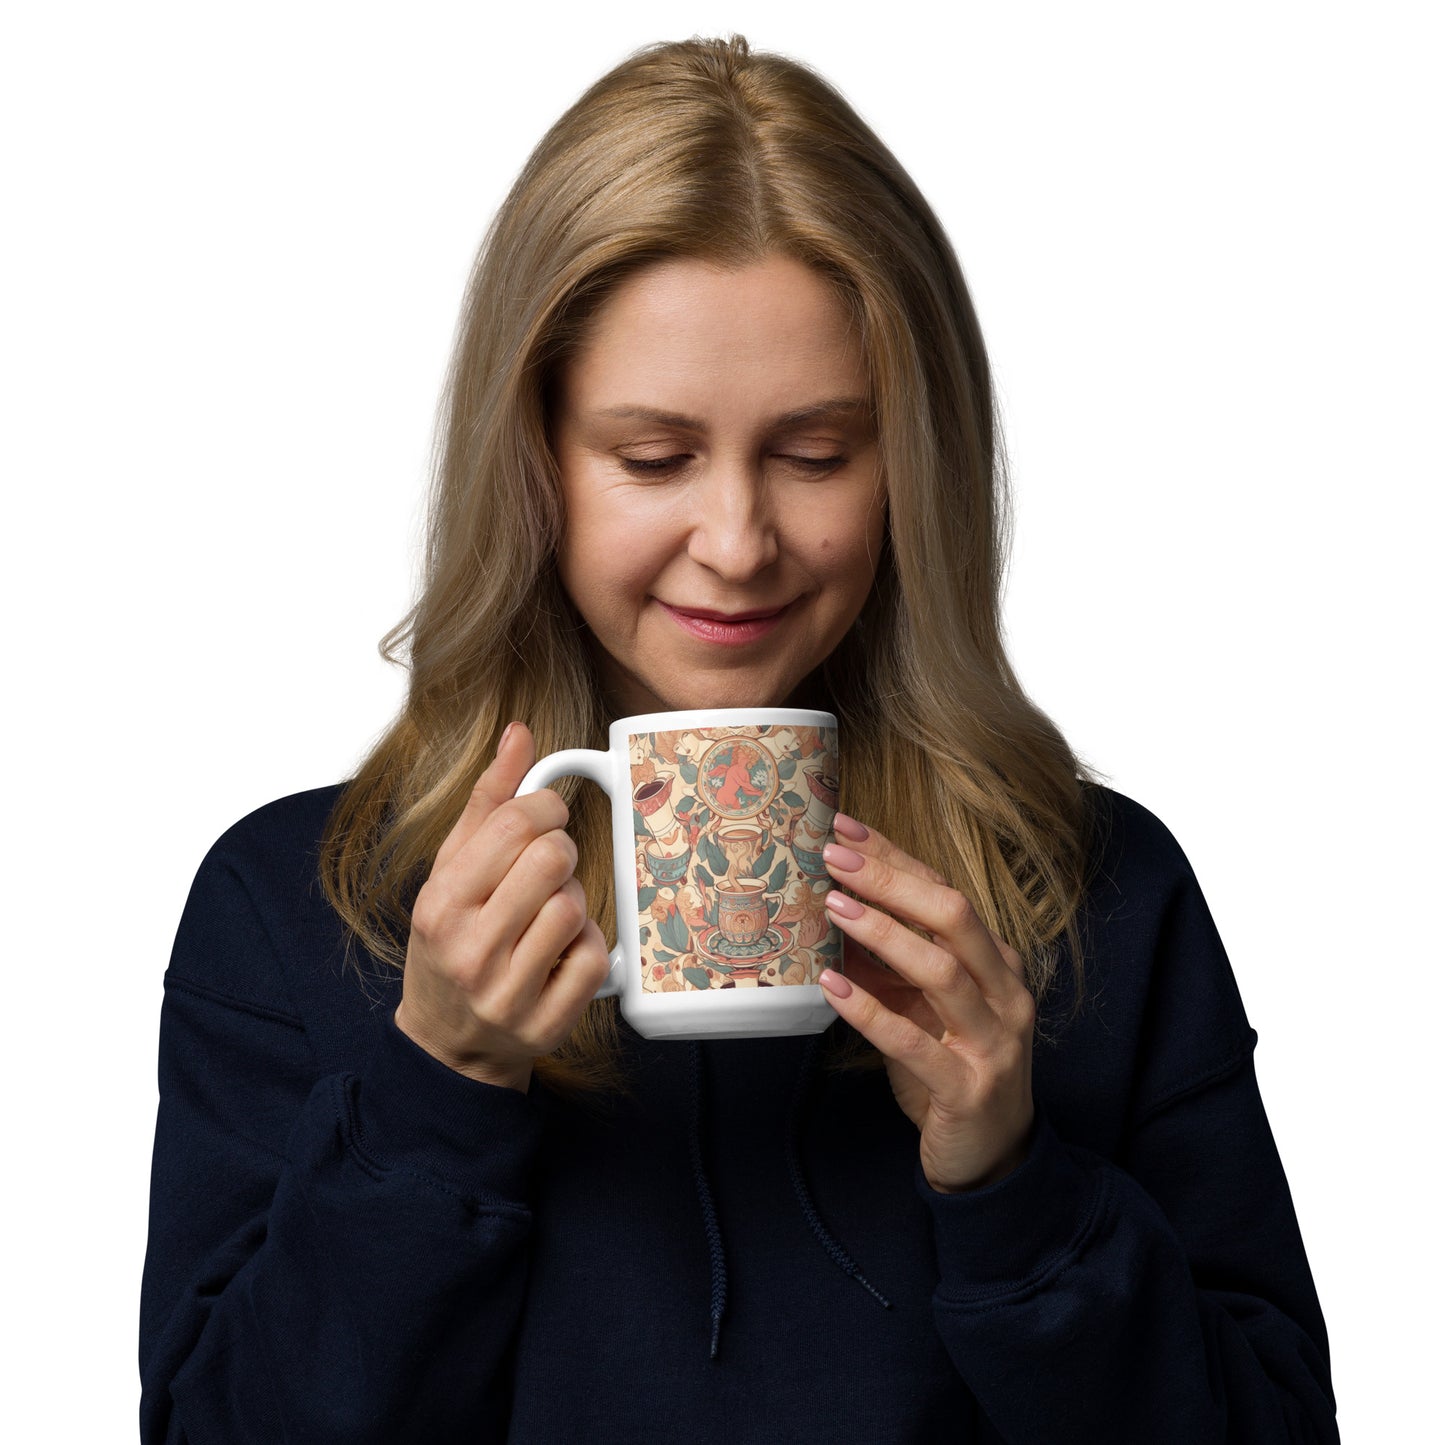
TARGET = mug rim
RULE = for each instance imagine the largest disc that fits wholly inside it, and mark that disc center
(711, 717)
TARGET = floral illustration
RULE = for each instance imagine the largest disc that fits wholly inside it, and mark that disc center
(730, 825)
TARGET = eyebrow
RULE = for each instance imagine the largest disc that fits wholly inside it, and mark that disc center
(835, 407)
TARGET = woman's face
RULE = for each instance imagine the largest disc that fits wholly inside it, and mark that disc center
(723, 507)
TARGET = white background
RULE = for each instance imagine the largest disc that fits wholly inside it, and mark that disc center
(1204, 246)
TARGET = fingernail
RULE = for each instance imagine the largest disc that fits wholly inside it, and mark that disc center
(841, 857)
(835, 983)
(841, 903)
(850, 828)
(506, 733)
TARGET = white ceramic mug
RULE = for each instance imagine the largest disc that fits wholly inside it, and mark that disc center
(719, 817)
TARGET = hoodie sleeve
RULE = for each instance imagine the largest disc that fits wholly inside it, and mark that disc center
(334, 1258)
(1164, 1293)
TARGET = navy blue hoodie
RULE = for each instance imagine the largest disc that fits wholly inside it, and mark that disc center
(349, 1242)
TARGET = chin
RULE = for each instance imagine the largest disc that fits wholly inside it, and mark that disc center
(629, 693)
(740, 692)
(688, 700)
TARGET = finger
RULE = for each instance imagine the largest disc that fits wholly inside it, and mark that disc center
(571, 986)
(542, 942)
(540, 869)
(866, 841)
(941, 977)
(856, 957)
(516, 753)
(477, 869)
(890, 987)
(1010, 956)
(892, 1034)
(943, 911)
(869, 843)
(875, 975)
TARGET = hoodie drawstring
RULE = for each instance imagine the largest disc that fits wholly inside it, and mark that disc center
(709, 1210)
(831, 1247)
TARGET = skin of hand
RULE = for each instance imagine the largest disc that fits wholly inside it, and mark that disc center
(502, 957)
(953, 1017)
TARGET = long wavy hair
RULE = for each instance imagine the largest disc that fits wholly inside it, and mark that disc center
(706, 149)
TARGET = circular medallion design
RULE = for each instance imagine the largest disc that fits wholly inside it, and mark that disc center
(737, 778)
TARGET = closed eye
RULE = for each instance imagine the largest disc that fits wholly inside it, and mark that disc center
(818, 464)
(651, 464)
(656, 465)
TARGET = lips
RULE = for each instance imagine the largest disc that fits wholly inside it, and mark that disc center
(736, 629)
(709, 615)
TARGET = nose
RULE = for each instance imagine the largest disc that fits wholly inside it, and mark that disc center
(734, 533)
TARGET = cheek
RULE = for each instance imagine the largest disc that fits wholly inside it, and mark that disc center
(632, 544)
(593, 549)
(846, 548)
(607, 563)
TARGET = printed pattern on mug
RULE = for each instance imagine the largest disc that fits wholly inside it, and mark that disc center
(730, 825)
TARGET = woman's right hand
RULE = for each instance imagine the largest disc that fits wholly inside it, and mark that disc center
(502, 957)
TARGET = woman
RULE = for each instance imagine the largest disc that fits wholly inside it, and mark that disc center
(720, 430)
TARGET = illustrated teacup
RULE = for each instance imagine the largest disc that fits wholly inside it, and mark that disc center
(719, 821)
(744, 910)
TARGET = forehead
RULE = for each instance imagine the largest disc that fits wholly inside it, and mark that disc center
(687, 333)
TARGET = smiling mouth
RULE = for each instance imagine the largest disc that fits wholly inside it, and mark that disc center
(727, 628)
(709, 615)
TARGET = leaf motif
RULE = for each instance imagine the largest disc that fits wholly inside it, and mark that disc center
(685, 805)
(639, 826)
(645, 897)
(793, 800)
(697, 977)
(673, 932)
(780, 876)
(716, 859)
(765, 859)
(662, 956)
(703, 877)
(787, 767)
(688, 770)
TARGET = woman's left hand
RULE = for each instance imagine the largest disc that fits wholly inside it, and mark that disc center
(953, 1019)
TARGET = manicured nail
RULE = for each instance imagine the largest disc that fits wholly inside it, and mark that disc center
(835, 983)
(850, 828)
(507, 732)
(841, 857)
(841, 903)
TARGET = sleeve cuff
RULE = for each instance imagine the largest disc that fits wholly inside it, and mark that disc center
(414, 1112)
(1009, 1230)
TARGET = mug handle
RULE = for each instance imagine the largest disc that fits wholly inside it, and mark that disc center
(582, 763)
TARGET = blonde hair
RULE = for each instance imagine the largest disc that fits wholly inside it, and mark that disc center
(703, 148)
